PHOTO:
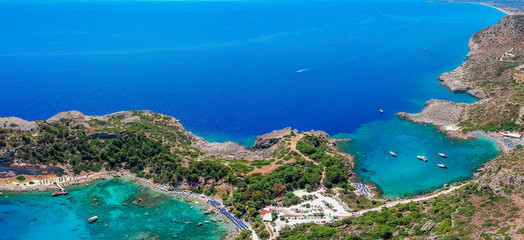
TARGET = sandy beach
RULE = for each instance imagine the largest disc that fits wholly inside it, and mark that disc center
(504, 10)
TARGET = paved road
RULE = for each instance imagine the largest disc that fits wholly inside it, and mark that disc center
(404, 201)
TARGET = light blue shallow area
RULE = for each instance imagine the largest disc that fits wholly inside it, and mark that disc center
(41, 216)
(233, 70)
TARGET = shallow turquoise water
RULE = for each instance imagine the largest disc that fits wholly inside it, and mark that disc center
(41, 216)
(405, 174)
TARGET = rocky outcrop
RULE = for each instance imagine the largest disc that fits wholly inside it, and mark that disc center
(18, 124)
(427, 226)
(442, 114)
(263, 148)
(268, 140)
(74, 116)
(455, 81)
(77, 118)
(19, 166)
(228, 150)
(499, 180)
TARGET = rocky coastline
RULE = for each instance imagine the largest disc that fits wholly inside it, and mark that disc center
(488, 50)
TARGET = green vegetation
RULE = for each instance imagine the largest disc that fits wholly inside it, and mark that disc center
(157, 148)
(452, 214)
(260, 163)
(256, 191)
(241, 168)
(337, 167)
(20, 178)
(13, 125)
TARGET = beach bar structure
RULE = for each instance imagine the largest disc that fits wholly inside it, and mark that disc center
(511, 134)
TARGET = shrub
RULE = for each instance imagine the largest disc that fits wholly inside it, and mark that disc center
(445, 226)
(382, 231)
(20, 178)
(489, 223)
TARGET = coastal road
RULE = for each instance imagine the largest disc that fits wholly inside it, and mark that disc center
(404, 201)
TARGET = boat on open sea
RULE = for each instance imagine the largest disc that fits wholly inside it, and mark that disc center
(423, 158)
(442, 155)
(442, 165)
(92, 219)
(392, 153)
(381, 111)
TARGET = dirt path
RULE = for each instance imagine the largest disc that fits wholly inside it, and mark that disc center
(293, 148)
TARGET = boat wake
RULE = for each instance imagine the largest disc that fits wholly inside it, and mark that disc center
(303, 70)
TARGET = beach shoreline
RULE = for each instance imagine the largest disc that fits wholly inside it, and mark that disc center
(184, 195)
(504, 10)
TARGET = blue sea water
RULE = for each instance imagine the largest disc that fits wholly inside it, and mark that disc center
(38, 215)
(231, 70)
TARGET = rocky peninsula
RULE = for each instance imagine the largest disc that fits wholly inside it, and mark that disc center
(491, 74)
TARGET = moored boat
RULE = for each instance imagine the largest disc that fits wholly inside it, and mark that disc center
(423, 158)
(442, 155)
(442, 165)
(392, 153)
(58, 193)
(92, 219)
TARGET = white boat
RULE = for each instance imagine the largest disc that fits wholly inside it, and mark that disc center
(425, 159)
(442, 165)
(442, 155)
(392, 154)
(92, 219)
(381, 111)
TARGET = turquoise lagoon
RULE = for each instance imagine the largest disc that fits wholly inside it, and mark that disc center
(405, 174)
(231, 70)
(38, 215)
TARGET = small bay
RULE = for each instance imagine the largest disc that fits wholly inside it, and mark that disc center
(38, 215)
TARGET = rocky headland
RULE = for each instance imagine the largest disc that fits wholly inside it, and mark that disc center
(488, 74)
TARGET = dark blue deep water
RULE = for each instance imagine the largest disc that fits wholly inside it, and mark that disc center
(233, 70)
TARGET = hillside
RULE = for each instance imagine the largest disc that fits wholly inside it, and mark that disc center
(157, 148)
